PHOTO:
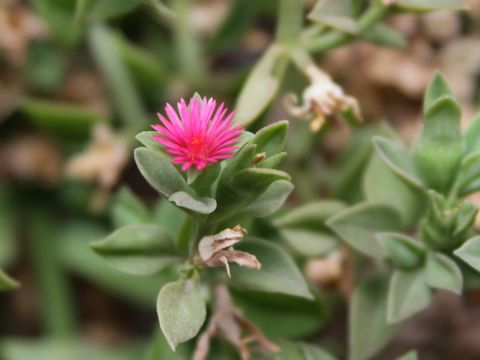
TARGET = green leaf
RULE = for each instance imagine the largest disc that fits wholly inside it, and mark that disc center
(310, 216)
(46, 67)
(309, 243)
(261, 85)
(408, 293)
(9, 210)
(257, 180)
(105, 9)
(273, 161)
(206, 178)
(159, 349)
(181, 311)
(470, 252)
(271, 138)
(437, 89)
(146, 138)
(169, 216)
(472, 134)
(440, 148)
(358, 225)
(381, 185)
(443, 273)
(127, 209)
(404, 251)
(465, 218)
(411, 355)
(59, 16)
(383, 35)
(398, 160)
(78, 257)
(278, 274)
(337, 14)
(60, 119)
(281, 315)
(469, 173)
(159, 172)
(201, 205)
(312, 352)
(146, 69)
(369, 306)
(140, 249)
(6, 282)
(429, 5)
(271, 200)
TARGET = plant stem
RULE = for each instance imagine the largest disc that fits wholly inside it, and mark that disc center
(56, 305)
(336, 39)
(290, 15)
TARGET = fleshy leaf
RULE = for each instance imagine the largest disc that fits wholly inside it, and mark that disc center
(146, 138)
(358, 225)
(201, 205)
(271, 138)
(159, 172)
(337, 14)
(381, 185)
(404, 251)
(398, 160)
(271, 200)
(369, 306)
(440, 147)
(443, 273)
(278, 274)
(127, 209)
(140, 249)
(470, 252)
(181, 311)
(437, 88)
(261, 85)
(408, 294)
(472, 134)
(6, 282)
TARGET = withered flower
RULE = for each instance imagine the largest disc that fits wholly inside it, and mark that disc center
(322, 99)
(229, 323)
(217, 250)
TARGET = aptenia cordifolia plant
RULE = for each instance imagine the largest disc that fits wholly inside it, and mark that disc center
(225, 177)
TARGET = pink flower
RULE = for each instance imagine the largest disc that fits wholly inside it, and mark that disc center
(197, 135)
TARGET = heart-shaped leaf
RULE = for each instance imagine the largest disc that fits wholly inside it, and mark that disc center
(278, 274)
(443, 273)
(408, 293)
(141, 249)
(358, 225)
(181, 311)
(201, 205)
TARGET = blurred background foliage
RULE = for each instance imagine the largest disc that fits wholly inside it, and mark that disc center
(78, 78)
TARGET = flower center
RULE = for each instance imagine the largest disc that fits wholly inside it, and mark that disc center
(198, 145)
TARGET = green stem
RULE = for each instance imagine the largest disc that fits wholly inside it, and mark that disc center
(56, 305)
(290, 15)
(336, 39)
(125, 96)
